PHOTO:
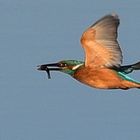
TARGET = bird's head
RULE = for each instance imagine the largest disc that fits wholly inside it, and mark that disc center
(66, 66)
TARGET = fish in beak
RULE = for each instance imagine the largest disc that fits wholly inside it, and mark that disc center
(49, 67)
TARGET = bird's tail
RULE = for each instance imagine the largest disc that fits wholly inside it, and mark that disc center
(130, 83)
(136, 66)
(129, 68)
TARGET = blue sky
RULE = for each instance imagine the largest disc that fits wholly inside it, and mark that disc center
(31, 106)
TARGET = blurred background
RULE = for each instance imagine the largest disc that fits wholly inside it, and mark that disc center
(33, 107)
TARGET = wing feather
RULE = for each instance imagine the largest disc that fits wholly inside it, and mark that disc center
(100, 43)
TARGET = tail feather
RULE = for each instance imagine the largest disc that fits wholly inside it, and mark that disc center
(129, 68)
(136, 66)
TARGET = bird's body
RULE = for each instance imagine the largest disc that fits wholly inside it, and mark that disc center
(103, 57)
(104, 78)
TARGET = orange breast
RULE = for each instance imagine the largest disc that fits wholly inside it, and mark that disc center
(102, 78)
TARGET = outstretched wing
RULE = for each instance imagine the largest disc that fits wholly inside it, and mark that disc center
(100, 43)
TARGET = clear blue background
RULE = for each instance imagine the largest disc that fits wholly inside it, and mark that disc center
(32, 107)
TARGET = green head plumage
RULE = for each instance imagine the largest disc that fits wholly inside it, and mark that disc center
(66, 66)
(70, 66)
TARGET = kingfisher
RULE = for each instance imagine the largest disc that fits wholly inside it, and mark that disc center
(103, 58)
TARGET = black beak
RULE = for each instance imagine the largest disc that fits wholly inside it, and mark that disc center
(49, 67)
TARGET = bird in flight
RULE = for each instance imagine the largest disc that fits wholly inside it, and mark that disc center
(103, 58)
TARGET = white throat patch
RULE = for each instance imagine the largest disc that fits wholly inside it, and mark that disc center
(76, 67)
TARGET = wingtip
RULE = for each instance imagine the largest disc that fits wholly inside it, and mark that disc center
(114, 15)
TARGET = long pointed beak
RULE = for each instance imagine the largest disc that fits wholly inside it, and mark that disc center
(48, 68)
